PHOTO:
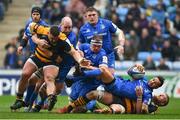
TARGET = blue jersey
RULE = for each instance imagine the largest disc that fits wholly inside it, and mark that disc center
(126, 88)
(103, 28)
(68, 60)
(83, 85)
(95, 58)
(29, 35)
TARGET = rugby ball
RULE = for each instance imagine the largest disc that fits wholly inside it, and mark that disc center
(135, 73)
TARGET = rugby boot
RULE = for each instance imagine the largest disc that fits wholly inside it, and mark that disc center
(52, 99)
(36, 108)
(19, 103)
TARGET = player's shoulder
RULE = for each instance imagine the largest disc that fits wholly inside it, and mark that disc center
(62, 36)
(84, 27)
(33, 26)
(42, 22)
(36, 28)
(72, 34)
(106, 21)
(102, 52)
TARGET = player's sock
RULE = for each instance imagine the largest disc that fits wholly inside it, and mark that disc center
(30, 90)
(91, 105)
(41, 102)
(19, 96)
(90, 73)
(81, 101)
(33, 98)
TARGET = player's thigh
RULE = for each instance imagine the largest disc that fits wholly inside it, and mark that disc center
(50, 72)
(29, 67)
(105, 97)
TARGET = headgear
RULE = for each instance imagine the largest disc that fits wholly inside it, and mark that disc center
(36, 9)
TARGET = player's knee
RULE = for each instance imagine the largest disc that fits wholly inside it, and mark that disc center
(26, 74)
(49, 78)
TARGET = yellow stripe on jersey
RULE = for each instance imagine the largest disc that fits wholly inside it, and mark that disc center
(133, 107)
(128, 106)
(32, 26)
(43, 30)
(41, 53)
(62, 36)
(39, 29)
(42, 58)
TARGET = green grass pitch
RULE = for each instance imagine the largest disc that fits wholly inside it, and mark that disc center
(172, 111)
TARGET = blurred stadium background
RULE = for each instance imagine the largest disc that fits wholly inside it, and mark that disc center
(152, 29)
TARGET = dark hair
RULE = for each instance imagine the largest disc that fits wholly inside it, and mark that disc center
(36, 9)
(97, 37)
(90, 9)
(54, 30)
(167, 100)
(161, 79)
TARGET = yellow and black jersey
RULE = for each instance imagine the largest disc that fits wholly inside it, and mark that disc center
(129, 105)
(40, 30)
(58, 48)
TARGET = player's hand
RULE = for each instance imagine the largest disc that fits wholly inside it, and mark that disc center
(104, 111)
(43, 43)
(144, 109)
(84, 63)
(19, 50)
(58, 59)
(139, 91)
(140, 67)
(120, 49)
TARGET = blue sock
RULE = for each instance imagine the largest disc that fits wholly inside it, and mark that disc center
(41, 102)
(91, 105)
(30, 90)
(91, 73)
(33, 98)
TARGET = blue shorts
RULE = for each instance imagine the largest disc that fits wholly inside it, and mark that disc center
(62, 74)
(81, 88)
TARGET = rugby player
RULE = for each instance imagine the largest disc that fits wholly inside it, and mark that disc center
(36, 14)
(117, 105)
(105, 28)
(65, 65)
(119, 87)
(47, 56)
